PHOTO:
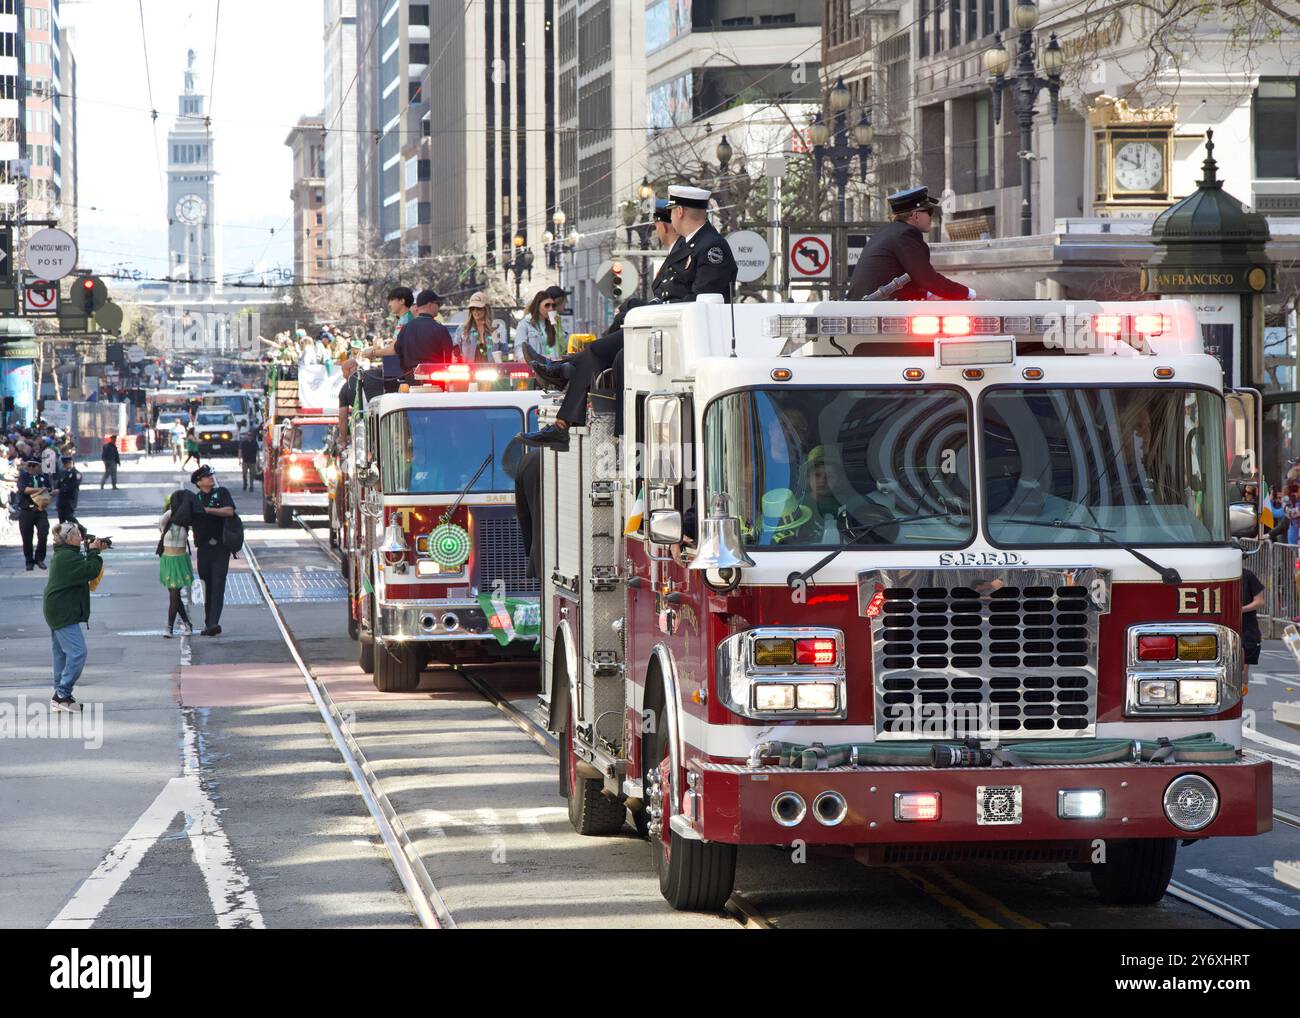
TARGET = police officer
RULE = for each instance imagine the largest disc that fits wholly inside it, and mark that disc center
(34, 490)
(68, 481)
(699, 262)
(900, 247)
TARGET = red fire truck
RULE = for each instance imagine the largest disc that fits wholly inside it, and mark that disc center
(435, 560)
(293, 440)
(963, 586)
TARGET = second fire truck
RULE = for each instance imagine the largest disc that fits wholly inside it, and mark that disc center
(934, 581)
(434, 558)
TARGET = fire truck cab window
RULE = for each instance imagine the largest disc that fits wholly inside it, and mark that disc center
(309, 437)
(1146, 465)
(438, 451)
(823, 467)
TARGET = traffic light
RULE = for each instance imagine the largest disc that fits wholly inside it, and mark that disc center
(616, 282)
(90, 294)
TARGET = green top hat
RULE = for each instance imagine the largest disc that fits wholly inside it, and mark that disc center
(782, 512)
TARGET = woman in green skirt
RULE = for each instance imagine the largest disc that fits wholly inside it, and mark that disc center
(174, 569)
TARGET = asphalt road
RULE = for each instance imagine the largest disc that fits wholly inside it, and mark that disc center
(210, 794)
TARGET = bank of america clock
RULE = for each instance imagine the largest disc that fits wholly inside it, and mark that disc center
(1133, 151)
(191, 209)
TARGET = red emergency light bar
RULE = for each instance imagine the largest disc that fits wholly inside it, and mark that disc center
(461, 373)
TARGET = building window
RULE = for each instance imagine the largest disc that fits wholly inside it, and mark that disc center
(419, 15)
(775, 19)
(415, 93)
(594, 35)
(419, 53)
(320, 219)
(1277, 128)
(983, 141)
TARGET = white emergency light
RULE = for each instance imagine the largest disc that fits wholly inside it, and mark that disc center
(965, 352)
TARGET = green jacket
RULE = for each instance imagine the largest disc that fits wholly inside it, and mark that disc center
(67, 592)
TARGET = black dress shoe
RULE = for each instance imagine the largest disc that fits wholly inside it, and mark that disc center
(552, 374)
(552, 435)
(41, 565)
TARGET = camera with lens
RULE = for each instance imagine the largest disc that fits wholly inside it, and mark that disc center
(90, 539)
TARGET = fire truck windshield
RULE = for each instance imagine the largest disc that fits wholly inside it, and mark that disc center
(1145, 465)
(310, 437)
(828, 466)
(426, 451)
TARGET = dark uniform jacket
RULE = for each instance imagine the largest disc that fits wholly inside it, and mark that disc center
(704, 264)
(899, 248)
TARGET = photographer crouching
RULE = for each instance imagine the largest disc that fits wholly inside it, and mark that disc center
(67, 605)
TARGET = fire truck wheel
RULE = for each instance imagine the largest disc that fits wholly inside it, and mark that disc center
(268, 511)
(397, 668)
(694, 876)
(1135, 872)
(591, 811)
(283, 516)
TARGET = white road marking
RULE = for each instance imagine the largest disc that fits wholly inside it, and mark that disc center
(1248, 889)
(1272, 741)
(1284, 761)
(228, 888)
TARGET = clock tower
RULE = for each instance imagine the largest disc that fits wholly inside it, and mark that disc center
(193, 259)
(1133, 157)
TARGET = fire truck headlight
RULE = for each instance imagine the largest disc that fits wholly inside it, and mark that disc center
(817, 696)
(1198, 692)
(773, 696)
(296, 473)
(1158, 692)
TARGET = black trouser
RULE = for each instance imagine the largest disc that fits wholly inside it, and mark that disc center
(33, 521)
(214, 561)
(175, 606)
(598, 356)
(67, 510)
(110, 473)
(249, 474)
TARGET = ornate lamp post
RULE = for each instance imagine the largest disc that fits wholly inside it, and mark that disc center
(521, 263)
(833, 145)
(1026, 84)
(553, 241)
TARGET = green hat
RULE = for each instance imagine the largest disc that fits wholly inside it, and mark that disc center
(782, 512)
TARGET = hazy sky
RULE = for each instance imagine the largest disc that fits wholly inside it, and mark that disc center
(269, 70)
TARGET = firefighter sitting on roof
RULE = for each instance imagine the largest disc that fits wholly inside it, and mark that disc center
(900, 247)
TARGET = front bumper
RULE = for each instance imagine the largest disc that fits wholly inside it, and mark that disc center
(305, 499)
(406, 622)
(732, 803)
(211, 445)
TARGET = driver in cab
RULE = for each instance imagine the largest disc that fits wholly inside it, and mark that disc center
(831, 510)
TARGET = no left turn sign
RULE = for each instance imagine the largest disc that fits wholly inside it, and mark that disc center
(41, 296)
(810, 255)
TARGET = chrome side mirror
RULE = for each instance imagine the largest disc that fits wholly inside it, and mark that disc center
(1243, 520)
(666, 526)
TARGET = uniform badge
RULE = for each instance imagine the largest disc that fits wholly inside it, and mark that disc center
(714, 256)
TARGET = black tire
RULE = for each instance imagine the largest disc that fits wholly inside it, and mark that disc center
(694, 876)
(1135, 872)
(268, 511)
(283, 516)
(397, 667)
(591, 811)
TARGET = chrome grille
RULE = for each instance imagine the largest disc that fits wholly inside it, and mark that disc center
(965, 652)
(499, 555)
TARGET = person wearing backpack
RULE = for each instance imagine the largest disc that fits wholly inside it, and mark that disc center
(174, 569)
(215, 507)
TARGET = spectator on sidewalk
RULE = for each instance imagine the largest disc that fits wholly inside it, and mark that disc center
(248, 459)
(216, 505)
(35, 490)
(111, 458)
(68, 483)
(1252, 593)
(67, 608)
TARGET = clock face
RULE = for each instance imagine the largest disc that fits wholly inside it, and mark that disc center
(191, 209)
(1139, 166)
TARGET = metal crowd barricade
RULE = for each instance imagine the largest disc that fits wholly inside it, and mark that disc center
(1275, 565)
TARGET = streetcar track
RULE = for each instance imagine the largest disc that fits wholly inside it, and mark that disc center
(751, 917)
(430, 908)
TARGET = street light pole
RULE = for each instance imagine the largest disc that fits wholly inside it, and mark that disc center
(832, 144)
(1026, 87)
